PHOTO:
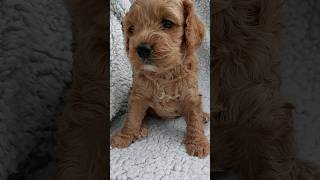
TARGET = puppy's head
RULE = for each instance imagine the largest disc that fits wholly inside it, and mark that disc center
(159, 34)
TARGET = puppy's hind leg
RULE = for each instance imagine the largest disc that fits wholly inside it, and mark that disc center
(196, 142)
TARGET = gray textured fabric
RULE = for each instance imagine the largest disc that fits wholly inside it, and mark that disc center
(162, 154)
(35, 64)
(120, 75)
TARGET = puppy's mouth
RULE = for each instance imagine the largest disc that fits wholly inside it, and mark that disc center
(153, 58)
(149, 67)
(146, 61)
(156, 63)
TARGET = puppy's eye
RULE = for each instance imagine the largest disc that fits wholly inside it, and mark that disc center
(130, 29)
(166, 24)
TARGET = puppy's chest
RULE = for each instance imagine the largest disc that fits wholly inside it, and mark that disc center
(167, 101)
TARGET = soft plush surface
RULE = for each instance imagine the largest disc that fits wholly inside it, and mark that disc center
(162, 154)
(35, 64)
(120, 75)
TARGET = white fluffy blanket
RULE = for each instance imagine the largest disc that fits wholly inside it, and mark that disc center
(162, 154)
(120, 75)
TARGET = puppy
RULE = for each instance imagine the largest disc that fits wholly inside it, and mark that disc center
(161, 39)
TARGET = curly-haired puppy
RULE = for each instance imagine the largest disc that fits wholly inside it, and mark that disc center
(161, 39)
(252, 121)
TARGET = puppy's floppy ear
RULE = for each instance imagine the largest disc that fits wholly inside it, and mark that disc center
(194, 28)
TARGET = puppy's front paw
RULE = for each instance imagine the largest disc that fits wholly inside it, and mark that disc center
(198, 147)
(121, 140)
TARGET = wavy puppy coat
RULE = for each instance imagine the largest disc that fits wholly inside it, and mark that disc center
(161, 38)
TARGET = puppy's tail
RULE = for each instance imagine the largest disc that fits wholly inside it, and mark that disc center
(306, 171)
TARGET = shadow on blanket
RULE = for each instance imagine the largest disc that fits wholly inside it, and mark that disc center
(81, 151)
(252, 121)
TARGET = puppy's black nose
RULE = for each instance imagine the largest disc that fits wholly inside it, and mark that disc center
(144, 50)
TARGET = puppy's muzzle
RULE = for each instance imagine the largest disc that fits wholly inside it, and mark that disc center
(144, 51)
